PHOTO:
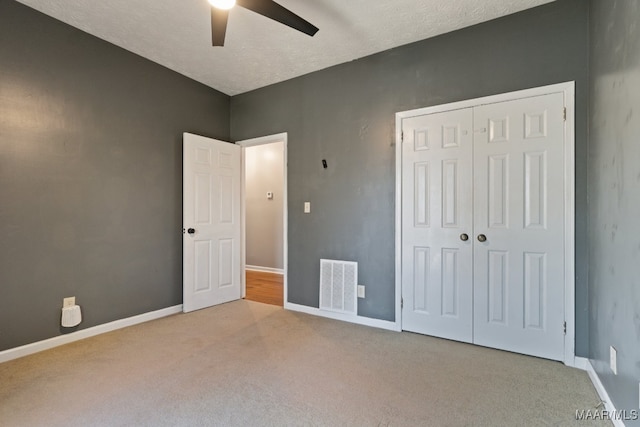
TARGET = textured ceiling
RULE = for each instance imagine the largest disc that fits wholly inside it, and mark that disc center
(258, 51)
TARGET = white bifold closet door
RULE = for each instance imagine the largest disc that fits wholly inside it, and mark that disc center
(483, 225)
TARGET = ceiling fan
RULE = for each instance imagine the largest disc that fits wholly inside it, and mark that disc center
(269, 8)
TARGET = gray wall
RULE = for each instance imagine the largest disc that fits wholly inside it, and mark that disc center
(90, 175)
(614, 197)
(346, 115)
(264, 218)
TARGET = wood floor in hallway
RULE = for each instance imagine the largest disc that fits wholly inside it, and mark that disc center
(267, 288)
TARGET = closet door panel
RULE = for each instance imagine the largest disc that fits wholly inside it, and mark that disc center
(437, 210)
(519, 216)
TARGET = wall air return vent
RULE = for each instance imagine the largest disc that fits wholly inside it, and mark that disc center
(338, 286)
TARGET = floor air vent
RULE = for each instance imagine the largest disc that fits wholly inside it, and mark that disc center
(338, 286)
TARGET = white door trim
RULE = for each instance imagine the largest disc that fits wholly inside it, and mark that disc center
(568, 89)
(280, 137)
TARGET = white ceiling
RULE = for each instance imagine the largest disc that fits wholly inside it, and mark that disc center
(258, 51)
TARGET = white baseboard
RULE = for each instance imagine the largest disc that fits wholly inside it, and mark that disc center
(581, 363)
(360, 320)
(264, 269)
(25, 350)
(602, 392)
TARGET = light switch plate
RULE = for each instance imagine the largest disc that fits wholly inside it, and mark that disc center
(307, 207)
(69, 302)
(360, 291)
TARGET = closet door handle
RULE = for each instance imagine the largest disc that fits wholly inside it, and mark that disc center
(191, 230)
(464, 237)
(482, 238)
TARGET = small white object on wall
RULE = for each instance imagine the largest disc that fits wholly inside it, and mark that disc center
(613, 359)
(71, 316)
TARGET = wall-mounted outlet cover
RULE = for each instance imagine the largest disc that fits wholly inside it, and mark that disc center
(613, 360)
(360, 291)
(307, 207)
(69, 301)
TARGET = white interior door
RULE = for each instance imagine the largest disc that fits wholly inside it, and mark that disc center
(519, 208)
(437, 224)
(211, 222)
(495, 173)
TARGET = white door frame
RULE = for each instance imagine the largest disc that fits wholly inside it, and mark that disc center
(280, 137)
(568, 89)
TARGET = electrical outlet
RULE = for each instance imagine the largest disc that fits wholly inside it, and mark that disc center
(360, 291)
(613, 360)
(68, 302)
(307, 207)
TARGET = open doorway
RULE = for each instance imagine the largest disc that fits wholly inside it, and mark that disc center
(264, 213)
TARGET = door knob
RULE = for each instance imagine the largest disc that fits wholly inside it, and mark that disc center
(482, 238)
(191, 230)
(464, 237)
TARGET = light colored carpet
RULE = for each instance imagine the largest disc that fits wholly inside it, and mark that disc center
(245, 363)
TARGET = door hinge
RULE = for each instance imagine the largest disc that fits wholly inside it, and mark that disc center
(565, 328)
(564, 114)
(401, 302)
(402, 136)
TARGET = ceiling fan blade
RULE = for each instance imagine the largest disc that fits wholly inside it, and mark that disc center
(273, 10)
(219, 20)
